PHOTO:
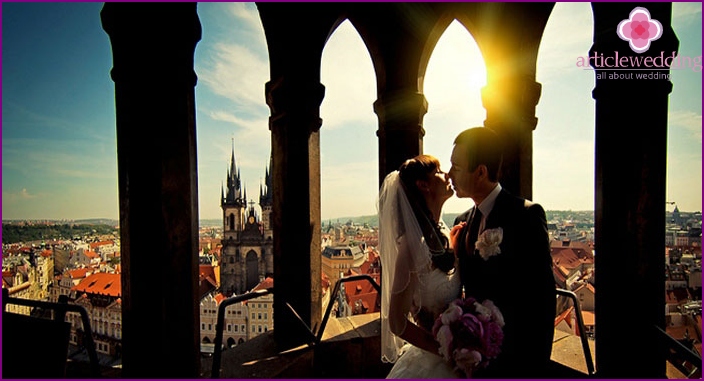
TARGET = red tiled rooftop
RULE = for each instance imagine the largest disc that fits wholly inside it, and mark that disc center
(564, 317)
(219, 298)
(571, 254)
(101, 284)
(93, 245)
(371, 302)
(78, 273)
(266, 283)
(206, 271)
(588, 317)
(91, 254)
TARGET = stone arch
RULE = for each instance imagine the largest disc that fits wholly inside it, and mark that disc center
(578, 159)
(454, 77)
(431, 41)
(347, 166)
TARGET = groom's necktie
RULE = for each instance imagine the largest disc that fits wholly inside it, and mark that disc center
(473, 231)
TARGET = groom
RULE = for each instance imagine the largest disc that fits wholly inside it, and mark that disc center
(510, 263)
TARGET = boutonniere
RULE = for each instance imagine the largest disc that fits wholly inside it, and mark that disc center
(489, 241)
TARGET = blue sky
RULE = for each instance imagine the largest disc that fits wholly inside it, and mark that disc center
(59, 157)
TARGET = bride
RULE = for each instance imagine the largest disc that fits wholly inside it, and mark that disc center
(418, 267)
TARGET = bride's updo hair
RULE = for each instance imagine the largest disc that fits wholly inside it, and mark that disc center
(422, 167)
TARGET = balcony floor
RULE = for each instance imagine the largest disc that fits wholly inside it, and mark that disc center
(350, 349)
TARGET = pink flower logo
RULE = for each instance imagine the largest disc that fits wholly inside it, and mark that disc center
(639, 29)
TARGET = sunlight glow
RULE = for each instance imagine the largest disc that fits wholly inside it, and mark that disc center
(453, 81)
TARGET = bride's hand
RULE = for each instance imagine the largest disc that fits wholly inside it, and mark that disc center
(455, 232)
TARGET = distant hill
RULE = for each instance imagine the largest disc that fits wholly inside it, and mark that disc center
(15, 233)
(373, 220)
(210, 222)
(449, 218)
(98, 221)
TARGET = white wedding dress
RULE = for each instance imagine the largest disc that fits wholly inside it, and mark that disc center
(437, 290)
(411, 283)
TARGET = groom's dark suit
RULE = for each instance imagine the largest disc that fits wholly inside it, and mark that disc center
(519, 281)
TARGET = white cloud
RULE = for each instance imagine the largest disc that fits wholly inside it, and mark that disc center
(232, 59)
(14, 198)
(228, 117)
(349, 79)
(236, 73)
(567, 35)
(246, 13)
(690, 120)
(25, 194)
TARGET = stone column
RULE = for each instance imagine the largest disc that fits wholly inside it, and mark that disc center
(153, 46)
(401, 130)
(631, 157)
(510, 103)
(509, 36)
(295, 139)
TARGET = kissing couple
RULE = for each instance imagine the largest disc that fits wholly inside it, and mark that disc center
(497, 253)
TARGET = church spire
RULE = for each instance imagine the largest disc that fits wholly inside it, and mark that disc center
(233, 195)
(232, 159)
(266, 195)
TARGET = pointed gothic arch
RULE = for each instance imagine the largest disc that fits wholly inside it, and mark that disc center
(252, 270)
(352, 127)
(452, 84)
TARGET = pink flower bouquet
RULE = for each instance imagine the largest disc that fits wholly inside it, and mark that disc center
(470, 334)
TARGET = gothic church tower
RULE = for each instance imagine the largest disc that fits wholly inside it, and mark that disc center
(247, 244)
